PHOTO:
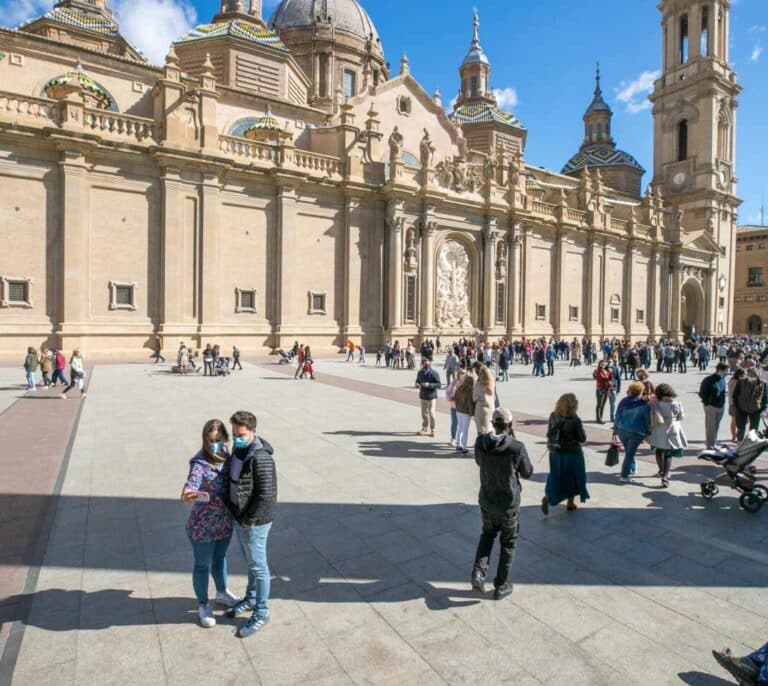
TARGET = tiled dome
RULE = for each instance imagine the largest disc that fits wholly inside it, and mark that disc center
(345, 15)
(600, 156)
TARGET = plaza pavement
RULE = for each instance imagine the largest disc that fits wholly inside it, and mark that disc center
(372, 547)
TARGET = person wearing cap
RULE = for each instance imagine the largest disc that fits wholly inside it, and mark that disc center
(503, 460)
(713, 391)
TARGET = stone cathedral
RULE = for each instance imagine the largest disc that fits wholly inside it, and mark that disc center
(274, 180)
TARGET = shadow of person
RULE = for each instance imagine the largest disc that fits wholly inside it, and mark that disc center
(702, 679)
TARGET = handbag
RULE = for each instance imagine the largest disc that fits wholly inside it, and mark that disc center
(612, 456)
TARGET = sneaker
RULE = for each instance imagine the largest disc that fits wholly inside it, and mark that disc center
(253, 625)
(62, 397)
(625, 480)
(502, 592)
(239, 608)
(227, 598)
(664, 483)
(478, 582)
(423, 432)
(453, 443)
(205, 613)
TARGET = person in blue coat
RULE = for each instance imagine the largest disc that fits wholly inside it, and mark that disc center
(633, 424)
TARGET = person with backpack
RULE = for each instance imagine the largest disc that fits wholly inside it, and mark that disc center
(567, 476)
(252, 497)
(713, 391)
(31, 363)
(503, 461)
(209, 525)
(750, 400)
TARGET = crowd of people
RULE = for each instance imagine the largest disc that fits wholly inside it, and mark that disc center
(51, 364)
(214, 363)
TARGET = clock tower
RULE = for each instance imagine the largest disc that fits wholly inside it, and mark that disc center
(694, 113)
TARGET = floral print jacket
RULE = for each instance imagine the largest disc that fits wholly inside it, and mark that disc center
(209, 521)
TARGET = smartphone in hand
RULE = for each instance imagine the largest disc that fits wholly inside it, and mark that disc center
(201, 497)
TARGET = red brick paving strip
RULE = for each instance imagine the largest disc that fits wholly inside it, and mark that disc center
(35, 432)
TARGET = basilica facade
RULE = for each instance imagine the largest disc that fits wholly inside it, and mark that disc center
(275, 181)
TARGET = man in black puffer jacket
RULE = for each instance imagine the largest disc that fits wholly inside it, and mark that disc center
(252, 497)
(502, 460)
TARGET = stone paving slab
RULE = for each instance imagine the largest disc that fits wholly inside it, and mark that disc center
(371, 551)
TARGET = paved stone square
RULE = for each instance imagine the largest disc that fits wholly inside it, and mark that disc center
(372, 546)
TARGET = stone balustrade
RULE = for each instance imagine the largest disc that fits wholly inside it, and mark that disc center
(577, 216)
(316, 163)
(250, 150)
(543, 209)
(18, 107)
(619, 225)
(123, 126)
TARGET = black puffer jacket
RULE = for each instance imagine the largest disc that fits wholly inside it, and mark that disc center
(502, 460)
(253, 495)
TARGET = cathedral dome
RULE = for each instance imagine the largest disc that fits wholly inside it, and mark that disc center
(345, 15)
(601, 156)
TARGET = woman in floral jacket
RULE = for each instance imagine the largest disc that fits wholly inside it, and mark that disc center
(210, 524)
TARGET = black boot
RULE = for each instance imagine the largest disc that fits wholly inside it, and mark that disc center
(478, 582)
(503, 591)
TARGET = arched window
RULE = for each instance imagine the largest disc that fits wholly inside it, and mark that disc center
(590, 133)
(682, 140)
(704, 36)
(599, 132)
(684, 39)
(724, 138)
(473, 82)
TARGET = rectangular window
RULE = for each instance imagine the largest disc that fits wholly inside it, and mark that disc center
(349, 83)
(501, 303)
(573, 313)
(318, 303)
(750, 247)
(704, 32)
(640, 316)
(684, 39)
(541, 312)
(410, 299)
(122, 295)
(748, 299)
(18, 292)
(755, 277)
(615, 315)
(245, 300)
(473, 81)
(722, 302)
(15, 292)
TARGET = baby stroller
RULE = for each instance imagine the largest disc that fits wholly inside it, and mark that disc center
(222, 366)
(285, 358)
(736, 460)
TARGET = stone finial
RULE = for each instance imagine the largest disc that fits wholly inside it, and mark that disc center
(208, 68)
(405, 66)
(438, 98)
(172, 59)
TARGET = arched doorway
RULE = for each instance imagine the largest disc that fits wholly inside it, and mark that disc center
(453, 283)
(692, 308)
(754, 325)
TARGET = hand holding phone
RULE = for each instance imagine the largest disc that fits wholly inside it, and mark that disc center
(191, 497)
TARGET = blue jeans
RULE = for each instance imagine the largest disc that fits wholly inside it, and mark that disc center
(631, 442)
(612, 401)
(253, 542)
(210, 558)
(58, 375)
(454, 423)
(30, 381)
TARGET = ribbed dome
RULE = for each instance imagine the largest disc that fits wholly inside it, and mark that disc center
(345, 15)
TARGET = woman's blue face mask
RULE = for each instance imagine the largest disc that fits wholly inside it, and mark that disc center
(216, 447)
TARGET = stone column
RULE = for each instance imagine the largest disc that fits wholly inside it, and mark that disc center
(523, 281)
(427, 318)
(589, 291)
(75, 271)
(515, 240)
(173, 252)
(674, 295)
(490, 236)
(653, 295)
(211, 264)
(286, 299)
(395, 226)
(710, 293)
(560, 285)
(602, 276)
(628, 301)
(352, 267)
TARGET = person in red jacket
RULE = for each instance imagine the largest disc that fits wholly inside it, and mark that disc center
(604, 379)
(300, 360)
(59, 365)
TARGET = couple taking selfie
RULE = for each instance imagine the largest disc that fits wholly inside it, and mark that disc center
(231, 490)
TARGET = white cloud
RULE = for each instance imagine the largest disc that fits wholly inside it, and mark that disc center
(506, 97)
(152, 25)
(634, 94)
(758, 28)
(756, 52)
(14, 13)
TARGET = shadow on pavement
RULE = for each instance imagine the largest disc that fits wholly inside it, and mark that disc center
(702, 679)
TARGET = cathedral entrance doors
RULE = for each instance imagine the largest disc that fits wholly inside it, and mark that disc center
(692, 308)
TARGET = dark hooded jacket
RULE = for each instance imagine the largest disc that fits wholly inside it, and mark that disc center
(252, 493)
(502, 460)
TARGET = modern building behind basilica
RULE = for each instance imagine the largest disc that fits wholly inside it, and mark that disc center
(274, 181)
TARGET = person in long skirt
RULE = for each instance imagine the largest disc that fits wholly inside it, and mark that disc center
(567, 472)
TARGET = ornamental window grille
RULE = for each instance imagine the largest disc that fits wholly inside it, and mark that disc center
(501, 302)
(410, 299)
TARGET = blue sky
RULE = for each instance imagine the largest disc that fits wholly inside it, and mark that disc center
(543, 54)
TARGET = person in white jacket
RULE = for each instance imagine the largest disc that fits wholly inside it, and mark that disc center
(667, 435)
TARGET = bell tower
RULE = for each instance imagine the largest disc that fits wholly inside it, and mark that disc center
(694, 113)
(475, 72)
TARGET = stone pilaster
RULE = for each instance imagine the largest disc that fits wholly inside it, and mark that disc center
(557, 309)
(395, 225)
(674, 296)
(653, 294)
(427, 318)
(629, 300)
(590, 314)
(211, 239)
(490, 236)
(353, 275)
(515, 240)
(173, 252)
(286, 302)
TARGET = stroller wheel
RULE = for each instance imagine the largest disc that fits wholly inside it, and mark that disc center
(751, 501)
(762, 490)
(709, 490)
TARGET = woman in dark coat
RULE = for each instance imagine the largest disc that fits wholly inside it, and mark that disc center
(567, 471)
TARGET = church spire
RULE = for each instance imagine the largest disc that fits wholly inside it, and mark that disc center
(597, 118)
(475, 71)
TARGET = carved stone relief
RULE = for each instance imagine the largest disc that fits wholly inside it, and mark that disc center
(453, 280)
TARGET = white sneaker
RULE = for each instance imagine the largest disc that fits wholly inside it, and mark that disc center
(227, 598)
(205, 613)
